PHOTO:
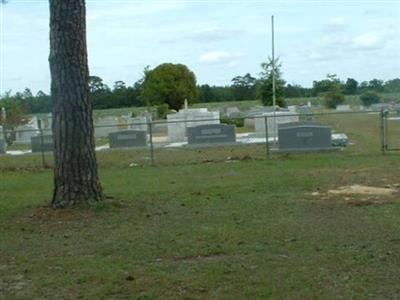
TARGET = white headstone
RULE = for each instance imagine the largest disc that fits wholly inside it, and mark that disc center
(343, 107)
(177, 123)
(24, 133)
(3, 114)
(274, 119)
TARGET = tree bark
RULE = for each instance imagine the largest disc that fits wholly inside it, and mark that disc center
(75, 165)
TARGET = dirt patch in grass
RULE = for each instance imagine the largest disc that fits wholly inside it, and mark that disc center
(363, 190)
(360, 195)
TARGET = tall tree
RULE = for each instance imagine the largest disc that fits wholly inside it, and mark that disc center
(351, 86)
(376, 85)
(264, 85)
(244, 87)
(171, 84)
(75, 165)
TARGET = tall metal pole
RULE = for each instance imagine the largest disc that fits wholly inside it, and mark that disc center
(273, 64)
(273, 78)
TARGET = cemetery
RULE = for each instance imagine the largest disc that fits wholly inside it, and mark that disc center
(164, 169)
(194, 127)
(195, 194)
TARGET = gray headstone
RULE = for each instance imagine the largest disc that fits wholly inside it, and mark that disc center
(304, 137)
(36, 143)
(211, 134)
(128, 138)
(396, 107)
(380, 106)
(2, 146)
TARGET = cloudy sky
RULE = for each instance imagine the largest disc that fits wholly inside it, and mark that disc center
(216, 39)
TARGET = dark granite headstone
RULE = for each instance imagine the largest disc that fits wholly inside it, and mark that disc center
(128, 139)
(304, 137)
(36, 143)
(2, 146)
(211, 134)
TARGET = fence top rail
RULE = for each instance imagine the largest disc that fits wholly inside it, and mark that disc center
(270, 115)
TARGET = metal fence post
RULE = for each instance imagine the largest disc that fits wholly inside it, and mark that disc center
(383, 128)
(151, 142)
(267, 137)
(41, 143)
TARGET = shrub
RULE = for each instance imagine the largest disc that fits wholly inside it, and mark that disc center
(162, 111)
(334, 97)
(230, 121)
(369, 97)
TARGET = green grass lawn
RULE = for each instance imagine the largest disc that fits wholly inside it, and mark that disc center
(245, 230)
(201, 226)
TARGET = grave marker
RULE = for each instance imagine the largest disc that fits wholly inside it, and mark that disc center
(128, 139)
(211, 134)
(2, 146)
(36, 143)
(304, 137)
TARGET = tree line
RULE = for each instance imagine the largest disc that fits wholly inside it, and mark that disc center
(149, 90)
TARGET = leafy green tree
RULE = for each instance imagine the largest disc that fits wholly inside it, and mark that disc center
(96, 85)
(325, 85)
(264, 84)
(244, 87)
(213, 93)
(392, 86)
(376, 85)
(171, 84)
(295, 90)
(351, 86)
(119, 85)
(15, 115)
(334, 95)
(369, 97)
(205, 93)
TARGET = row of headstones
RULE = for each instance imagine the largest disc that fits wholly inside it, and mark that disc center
(202, 134)
(291, 136)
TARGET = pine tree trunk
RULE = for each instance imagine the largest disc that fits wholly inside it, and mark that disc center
(75, 166)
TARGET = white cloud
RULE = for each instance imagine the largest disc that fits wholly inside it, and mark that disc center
(220, 57)
(368, 41)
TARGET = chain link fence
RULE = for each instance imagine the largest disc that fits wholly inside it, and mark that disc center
(390, 126)
(167, 142)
